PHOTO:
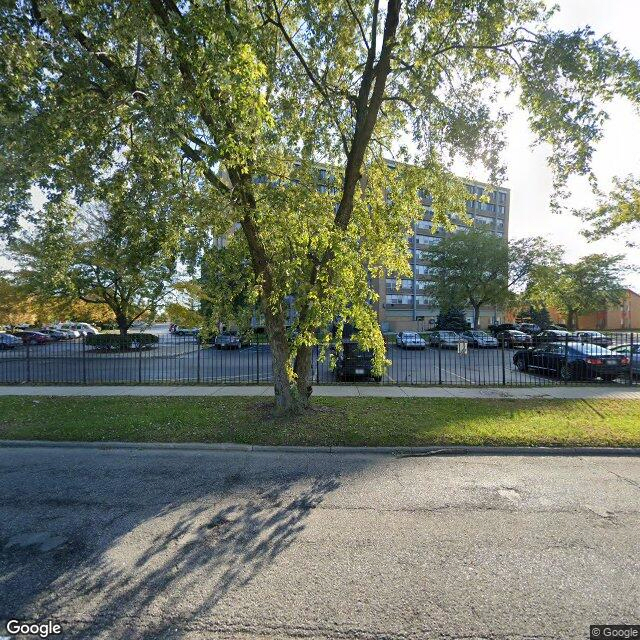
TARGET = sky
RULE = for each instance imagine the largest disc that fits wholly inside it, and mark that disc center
(618, 153)
(529, 177)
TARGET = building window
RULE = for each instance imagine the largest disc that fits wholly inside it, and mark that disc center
(399, 299)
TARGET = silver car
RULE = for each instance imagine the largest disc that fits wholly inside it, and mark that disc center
(227, 340)
(480, 339)
(445, 339)
(410, 340)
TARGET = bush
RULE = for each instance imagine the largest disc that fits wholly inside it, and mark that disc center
(114, 341)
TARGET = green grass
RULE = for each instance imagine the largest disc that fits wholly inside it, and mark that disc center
(331, 421)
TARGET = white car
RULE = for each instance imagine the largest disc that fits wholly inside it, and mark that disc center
(82, 328)
(410, 340)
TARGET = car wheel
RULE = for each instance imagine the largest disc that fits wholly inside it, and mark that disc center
(521, 365)
(608, 377)
(33, 342)
(377, 378)
(565, 372)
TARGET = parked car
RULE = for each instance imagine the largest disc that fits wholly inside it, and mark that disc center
(445, 339)
(593, 337)
(32, 337)
(513, 338)
(529, 327)
(574, 360)
(632, 352)
(187, 331)
(553, 335)
(84, 328)
(227, 340)
(54, 334)
(410, 340)
(495, 329)
(480, 339)
(7, 341)
(352, 363)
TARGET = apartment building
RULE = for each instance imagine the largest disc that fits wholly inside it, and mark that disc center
(410, 307)
(625, 315)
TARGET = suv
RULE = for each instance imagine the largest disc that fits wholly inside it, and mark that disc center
(512, 338)
(353, 363)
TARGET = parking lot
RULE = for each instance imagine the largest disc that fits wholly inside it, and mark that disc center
(183, 360)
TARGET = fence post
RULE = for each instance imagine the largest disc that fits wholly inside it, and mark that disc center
(198, 347)
(139, 363)
(257, 359)
(84, 360)
(566, 355)
(439, 362)
(504, 369)
(28, 364)
(631, 360)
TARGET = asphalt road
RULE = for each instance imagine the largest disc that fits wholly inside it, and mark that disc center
(145, 545)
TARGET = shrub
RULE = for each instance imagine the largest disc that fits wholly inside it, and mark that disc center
(114, 341)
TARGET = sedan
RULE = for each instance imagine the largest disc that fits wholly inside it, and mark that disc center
(445, 339)
(33, 337)
(187, 331)
(227, 340)
(631, 351)
(593, 337)
(54, 334)
(512, 338)
(7, 341)
(573, 360)
(410, 340)
(480, 339)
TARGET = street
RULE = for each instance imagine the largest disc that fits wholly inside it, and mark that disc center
(146, 544)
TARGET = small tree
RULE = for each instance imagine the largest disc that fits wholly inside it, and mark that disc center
(452, 320)
(99, 254)
(590, 284)
(470, 269)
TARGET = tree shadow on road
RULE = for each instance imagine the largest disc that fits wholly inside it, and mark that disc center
(151, 572)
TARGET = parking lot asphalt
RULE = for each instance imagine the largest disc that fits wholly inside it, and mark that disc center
(166, 545)
(183, 360)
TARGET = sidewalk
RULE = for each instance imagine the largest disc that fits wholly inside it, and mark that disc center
(344, 391)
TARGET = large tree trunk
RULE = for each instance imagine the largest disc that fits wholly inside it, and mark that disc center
(286, 395)
(304, 373)
(476, 316)
(123, 324)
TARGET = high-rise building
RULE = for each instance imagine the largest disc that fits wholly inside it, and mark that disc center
(410, 307)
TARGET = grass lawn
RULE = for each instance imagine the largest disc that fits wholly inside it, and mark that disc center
(331, 421)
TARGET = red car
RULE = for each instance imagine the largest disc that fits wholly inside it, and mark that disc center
(33, 337)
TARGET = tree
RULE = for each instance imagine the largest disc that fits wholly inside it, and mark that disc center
(452, 320)
(617, 212)
(239, 101)
(100, 255)
(590, 284)
(474, 268)
(470, 269)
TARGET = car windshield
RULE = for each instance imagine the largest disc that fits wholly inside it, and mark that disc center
(517, 333)
(448, 334)
(408, 334)
(477, 334)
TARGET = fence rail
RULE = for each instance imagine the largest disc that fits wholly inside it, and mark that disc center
(183, 360)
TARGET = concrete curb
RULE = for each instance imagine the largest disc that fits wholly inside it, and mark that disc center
(402, 452)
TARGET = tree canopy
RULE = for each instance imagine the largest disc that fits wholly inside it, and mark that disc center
(232, 105)
(617, 213)
(589, 284)
(101, 254)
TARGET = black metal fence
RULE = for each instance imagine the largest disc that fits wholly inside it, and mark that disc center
(184, 360)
